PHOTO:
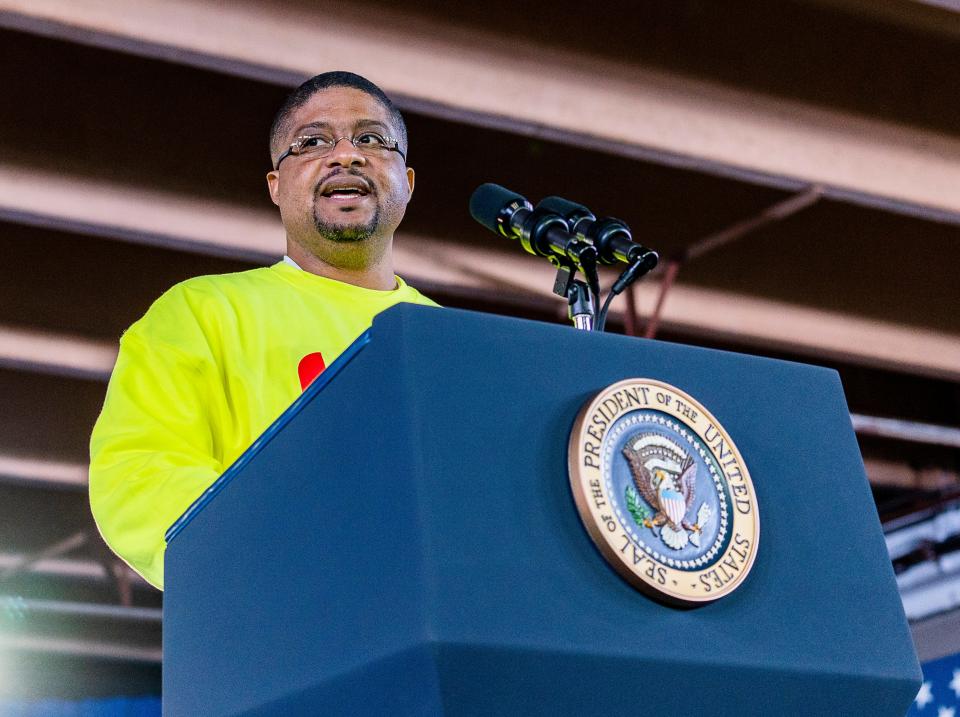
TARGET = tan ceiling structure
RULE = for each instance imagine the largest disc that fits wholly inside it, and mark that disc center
(133, 153)
(618, 107)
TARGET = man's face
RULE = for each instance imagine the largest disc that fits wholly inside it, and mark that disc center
(343, 228)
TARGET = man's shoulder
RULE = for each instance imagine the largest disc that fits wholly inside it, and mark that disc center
(215, 289)
(223, 284)
(201, 299)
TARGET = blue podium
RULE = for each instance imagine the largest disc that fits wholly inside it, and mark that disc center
(403, 541)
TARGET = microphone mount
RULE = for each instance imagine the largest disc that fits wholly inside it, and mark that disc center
(572, 239)
(547, 234)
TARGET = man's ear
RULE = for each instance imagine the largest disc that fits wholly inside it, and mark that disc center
(273, 186)
(410, 182)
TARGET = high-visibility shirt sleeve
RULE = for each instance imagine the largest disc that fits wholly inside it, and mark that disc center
(152, 451)
(206, 370)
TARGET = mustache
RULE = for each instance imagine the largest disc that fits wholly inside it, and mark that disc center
(352, 171)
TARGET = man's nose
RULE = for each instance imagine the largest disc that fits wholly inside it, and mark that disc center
(345, 154)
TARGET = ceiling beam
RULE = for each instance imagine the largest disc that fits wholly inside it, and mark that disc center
(70, 568)
(936, 17)
(911, 431)
(805, 331)
(694, 311)
(473, 75)
(22, 608)
(59, 354)
(98, 207)
(43, 473)
(80, 648)
(113, 210)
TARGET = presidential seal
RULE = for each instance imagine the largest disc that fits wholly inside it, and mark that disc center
(664, 492)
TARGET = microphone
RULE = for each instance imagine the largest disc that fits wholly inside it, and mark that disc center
(540, 231)
(611, 237)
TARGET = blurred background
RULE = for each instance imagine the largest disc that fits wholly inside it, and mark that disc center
(796, 163)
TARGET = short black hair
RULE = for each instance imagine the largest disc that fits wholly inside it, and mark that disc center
(323, 81)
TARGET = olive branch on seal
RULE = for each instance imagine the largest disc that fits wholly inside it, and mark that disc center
(638, 511)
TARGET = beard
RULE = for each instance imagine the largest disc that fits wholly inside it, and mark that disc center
(343, 233)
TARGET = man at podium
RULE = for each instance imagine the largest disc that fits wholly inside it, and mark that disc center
(217, 358)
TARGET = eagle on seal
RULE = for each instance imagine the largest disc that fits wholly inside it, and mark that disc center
(666, 476)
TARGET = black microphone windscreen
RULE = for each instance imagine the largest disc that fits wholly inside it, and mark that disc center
(564, 207)
(488, 200)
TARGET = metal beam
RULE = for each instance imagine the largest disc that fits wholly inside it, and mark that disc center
(627, 108)
(103, 208)
(56, 550)
(776, 213)
(767, 324)
(19, 608)
(910, 431)
(70, 569)
(81, 648)
(938, 592)
(936, 17)
(813, 333)
(118, 211)
(42, 473)
(772, 214)
(55, 353)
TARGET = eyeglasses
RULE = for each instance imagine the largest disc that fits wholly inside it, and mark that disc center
(316, 145)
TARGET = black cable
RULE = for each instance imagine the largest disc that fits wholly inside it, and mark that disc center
(638, 268)
(601, 323)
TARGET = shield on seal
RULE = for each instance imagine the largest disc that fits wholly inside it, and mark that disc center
(673, 504)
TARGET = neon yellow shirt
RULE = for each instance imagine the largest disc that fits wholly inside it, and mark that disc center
(210, 366)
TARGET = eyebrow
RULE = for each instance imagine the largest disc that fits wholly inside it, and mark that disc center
(320, 124)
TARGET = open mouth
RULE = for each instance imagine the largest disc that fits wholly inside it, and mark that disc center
(345, 189)
(347, 193)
